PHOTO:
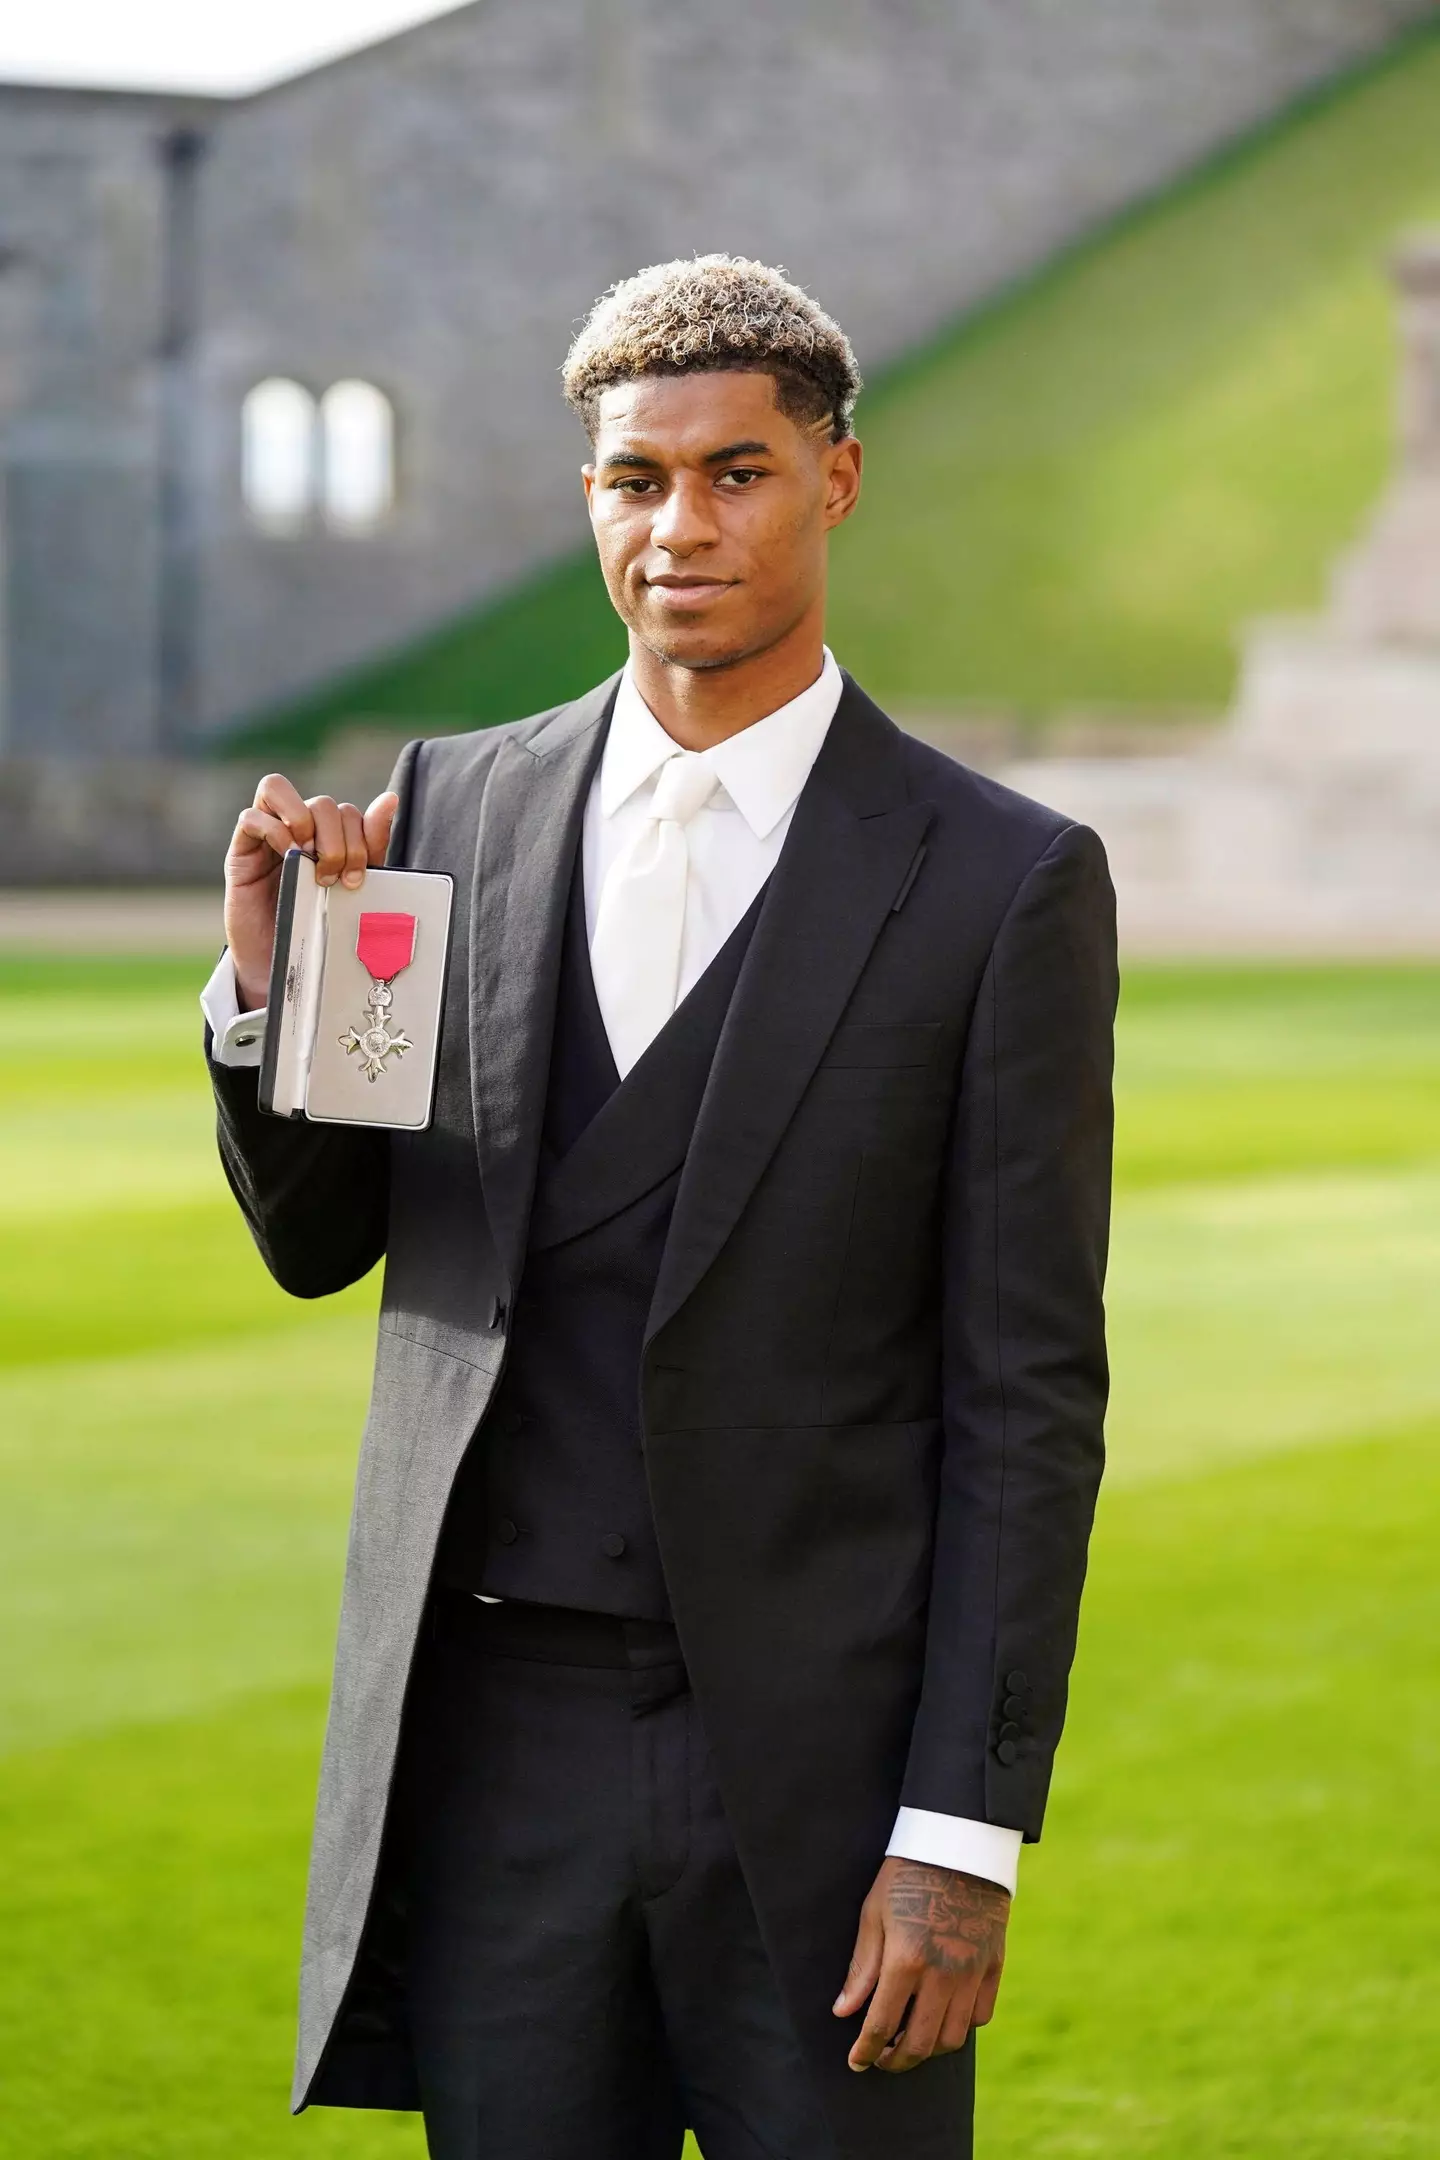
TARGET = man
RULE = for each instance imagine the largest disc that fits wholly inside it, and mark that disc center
(722, 1512)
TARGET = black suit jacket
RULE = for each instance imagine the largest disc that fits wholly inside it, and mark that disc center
(874, 1376)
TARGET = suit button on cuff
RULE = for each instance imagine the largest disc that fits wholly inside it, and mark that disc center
(1007, 1752)
(1016, 1683)
(1014, 1706)
(612, 1545)
(506, 1531)
(1009, 1732)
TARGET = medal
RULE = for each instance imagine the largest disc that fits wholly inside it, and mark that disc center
(384, 946)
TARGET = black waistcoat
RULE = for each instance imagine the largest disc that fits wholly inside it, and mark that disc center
(551, 1502)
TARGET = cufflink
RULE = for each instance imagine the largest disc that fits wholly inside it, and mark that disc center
(243, 1041)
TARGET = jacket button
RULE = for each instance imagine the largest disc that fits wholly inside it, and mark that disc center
(1014, 1706)
(511, 1421)
(1007, 1752)
(1009, 1732)
(1016, 1684)
(505, 1531)
(612, 1545)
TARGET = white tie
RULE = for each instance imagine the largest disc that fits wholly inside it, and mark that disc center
(640, 921)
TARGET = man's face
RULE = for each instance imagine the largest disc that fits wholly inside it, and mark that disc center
(711, 510)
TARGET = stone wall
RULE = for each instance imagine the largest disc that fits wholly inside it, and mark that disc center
(434, 213)
(154, 821)
(80, 302)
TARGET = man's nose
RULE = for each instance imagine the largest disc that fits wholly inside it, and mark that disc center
(684, 520)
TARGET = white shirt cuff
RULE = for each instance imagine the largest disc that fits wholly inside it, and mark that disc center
(238, 1038)
(953, 1841)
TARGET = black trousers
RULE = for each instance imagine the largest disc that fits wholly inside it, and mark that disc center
(585, 1975)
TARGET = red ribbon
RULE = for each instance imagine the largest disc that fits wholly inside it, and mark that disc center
(385, 944)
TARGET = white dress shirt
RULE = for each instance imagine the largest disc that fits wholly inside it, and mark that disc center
(735, 841)
(736, 837)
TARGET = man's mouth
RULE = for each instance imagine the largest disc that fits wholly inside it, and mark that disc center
(687, 592)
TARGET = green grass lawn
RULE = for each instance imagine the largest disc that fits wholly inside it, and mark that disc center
(1076, 494)
(1225, 1945)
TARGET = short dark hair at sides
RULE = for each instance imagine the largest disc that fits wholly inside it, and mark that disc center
(713, 312)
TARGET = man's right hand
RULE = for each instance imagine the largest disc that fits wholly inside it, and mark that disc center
(344, 841)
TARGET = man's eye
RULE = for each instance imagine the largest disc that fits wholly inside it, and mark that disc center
(741, 475)
(635, 486)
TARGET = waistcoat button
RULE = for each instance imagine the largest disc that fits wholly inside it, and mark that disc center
(505, 1531)
(612, 1545)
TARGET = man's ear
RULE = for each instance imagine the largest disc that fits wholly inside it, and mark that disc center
(842, 481)
(587, 481)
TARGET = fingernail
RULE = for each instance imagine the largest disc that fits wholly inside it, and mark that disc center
(838, 2005)
(325, 877)
(354, 878)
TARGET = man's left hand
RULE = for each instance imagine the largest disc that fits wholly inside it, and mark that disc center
(928, 1956)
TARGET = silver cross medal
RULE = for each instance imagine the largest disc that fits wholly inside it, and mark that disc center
(384, 945)
(374, 1041)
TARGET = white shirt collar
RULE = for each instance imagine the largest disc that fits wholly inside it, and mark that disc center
(762, 769)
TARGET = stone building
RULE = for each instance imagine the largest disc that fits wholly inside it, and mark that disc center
(278, 374)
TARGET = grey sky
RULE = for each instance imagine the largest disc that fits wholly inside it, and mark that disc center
(186, 45)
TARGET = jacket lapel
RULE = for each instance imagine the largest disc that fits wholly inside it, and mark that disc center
(850, 846)
(531, 816)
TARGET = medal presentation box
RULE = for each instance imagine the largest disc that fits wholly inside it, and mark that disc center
(357, 986)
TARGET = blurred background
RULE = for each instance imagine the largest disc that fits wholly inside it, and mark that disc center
(1149, 301)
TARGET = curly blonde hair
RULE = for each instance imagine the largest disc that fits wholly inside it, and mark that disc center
(714, 312)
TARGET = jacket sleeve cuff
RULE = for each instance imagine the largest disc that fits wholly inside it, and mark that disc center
(237, 1038)
(953, 1841)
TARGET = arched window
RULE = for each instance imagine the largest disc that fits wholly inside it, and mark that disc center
(357, 426)
(277, 453)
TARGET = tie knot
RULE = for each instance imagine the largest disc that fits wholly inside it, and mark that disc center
(685, 784)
